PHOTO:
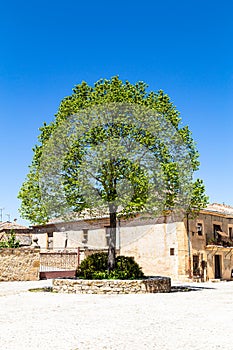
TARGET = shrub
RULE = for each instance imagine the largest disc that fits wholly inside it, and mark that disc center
(95, 267)
(10, 242)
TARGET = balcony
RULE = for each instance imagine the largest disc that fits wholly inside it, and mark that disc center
(222, 240)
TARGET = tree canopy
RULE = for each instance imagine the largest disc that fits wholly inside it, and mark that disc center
(116, 149)
(118, 157)
(104, 93)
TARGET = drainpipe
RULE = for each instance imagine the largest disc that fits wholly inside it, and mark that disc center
(189, 247)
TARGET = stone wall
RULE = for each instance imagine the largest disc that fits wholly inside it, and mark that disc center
(19, 264)
(150, 246)
(79, 286)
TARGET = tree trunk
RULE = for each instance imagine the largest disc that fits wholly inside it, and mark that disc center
(189, 248)
(112, 238)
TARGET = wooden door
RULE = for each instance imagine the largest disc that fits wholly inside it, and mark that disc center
(217, 264)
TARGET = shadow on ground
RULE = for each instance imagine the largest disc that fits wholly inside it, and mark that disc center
(187, 288)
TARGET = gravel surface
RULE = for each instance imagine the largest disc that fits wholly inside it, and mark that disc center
(198, 319)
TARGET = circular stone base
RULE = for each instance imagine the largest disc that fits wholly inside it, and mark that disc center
(81, 286)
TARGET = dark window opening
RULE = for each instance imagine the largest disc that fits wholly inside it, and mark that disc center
(199, 229)
(216, 229)
(172, 251)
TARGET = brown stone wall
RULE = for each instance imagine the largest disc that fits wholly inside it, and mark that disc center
(19, 264)
(79, 286)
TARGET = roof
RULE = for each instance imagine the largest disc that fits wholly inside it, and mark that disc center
(217, 208)
(75, 217)
(7, 225)
(22, 233)
(214, 209)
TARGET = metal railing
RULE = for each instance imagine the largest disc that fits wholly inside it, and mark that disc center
(59, 261)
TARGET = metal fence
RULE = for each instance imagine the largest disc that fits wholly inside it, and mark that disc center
(55, 264)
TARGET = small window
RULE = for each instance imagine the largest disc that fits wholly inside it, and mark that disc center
(199, 229)
(50, 240)
(172, 251)
(85, 236)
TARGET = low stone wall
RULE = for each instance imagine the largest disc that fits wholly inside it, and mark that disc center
(79, 286)
(19, 264)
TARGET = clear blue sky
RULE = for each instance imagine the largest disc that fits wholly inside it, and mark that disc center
(183, 47)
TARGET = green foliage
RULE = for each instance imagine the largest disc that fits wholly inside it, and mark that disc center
(11, 241)
(84, 96)
(199, 200)
(95, 267)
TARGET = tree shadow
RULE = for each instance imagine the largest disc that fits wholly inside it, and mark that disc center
(188, 288)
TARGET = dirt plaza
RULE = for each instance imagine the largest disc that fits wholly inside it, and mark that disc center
(196, 319)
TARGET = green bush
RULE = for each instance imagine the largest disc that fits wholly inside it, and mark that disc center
(10, 242)
(95, 267)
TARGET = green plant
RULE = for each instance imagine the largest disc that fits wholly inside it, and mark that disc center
(95, 267)
(104, 137)
(10, 242)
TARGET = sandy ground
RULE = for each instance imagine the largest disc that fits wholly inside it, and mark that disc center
(201, 319)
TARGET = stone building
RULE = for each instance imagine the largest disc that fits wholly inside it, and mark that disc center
(200, 248)
(211, 243)
(22, 233)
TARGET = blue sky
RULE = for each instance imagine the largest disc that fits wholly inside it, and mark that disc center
(182, 47)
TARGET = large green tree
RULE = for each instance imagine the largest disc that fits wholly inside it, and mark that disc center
(137, 144)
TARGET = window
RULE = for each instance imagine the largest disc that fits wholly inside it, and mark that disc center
(85, 237)
(199, 229)
(172, 251)
(216, 229)
(50, 240)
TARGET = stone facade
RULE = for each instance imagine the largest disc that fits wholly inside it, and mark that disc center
(149, 241)
(211, 243)
(200, 248)
(19, 264)
(78, 286)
